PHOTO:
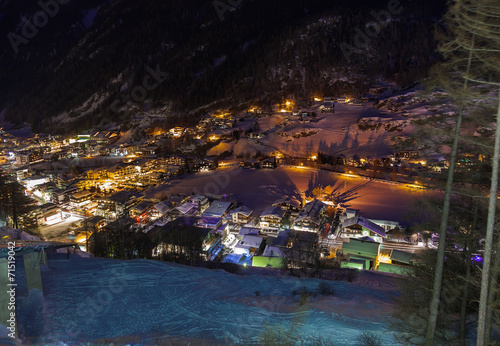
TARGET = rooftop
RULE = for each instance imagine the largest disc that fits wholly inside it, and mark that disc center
(365, 223)
(273, 211)
(217, 209)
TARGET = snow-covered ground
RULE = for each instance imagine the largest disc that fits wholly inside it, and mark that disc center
(258, 189)
(152, 302)
(334, 133)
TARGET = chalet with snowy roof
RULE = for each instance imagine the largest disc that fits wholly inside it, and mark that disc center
(185, 209)
(143, 164)
(357, 227)
(171, 171)
(291, 204)
(217, 209)
(62, 196)
(310, 217)
(158, 210)
(279, 244)
(241, 215)
(387, 225)
(271, 218)
(45, 191)
(249, 244)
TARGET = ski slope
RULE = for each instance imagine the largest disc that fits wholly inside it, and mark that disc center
(150, 302)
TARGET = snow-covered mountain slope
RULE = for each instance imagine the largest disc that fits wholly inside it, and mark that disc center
(149, 302)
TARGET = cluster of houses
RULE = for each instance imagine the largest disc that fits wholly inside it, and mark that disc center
(45, 147)
(272, 237)
(288, 232)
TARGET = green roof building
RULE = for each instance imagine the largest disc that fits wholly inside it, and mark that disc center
(363, 248)
(269, 262)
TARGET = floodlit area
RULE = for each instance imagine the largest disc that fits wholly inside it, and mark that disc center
(258, 189)
(58, 230)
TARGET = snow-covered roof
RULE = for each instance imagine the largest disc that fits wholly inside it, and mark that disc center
(365, 223)
(217, 209)
(288, 200)
(311, 210)
(249, 241)
(273, 211)
(185, 207)
(162, 207)
(248, 230)
(197, 199)
(242, 210)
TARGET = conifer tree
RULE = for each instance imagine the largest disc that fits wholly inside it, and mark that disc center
(471, 51)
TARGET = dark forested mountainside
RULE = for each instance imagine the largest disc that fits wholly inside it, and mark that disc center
(86, 57)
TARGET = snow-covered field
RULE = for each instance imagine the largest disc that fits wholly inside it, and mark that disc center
(152, 302)
(258, 189)
(334, 133)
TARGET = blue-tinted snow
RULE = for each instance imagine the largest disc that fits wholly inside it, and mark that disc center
(104, 300)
